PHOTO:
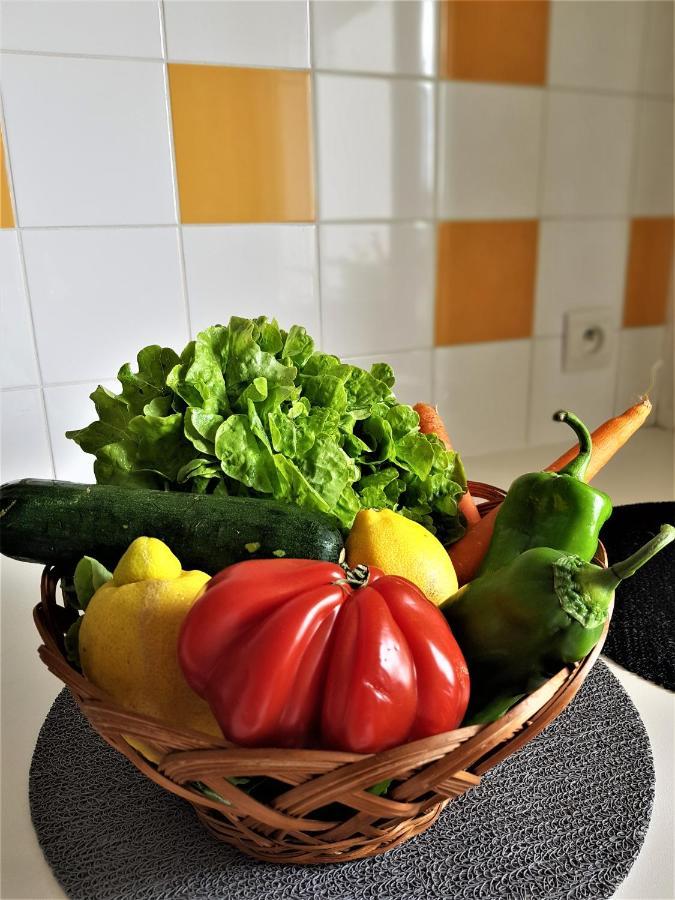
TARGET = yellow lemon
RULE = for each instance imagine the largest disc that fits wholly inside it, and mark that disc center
(146, 559)
(129, 635)
(399, 546)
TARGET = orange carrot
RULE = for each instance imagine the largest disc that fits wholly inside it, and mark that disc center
(431, 423)
(608, 438)
(468, 552)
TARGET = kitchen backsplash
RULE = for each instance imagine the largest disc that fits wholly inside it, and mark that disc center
(433, 184)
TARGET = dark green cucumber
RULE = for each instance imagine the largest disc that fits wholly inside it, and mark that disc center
(56, 522)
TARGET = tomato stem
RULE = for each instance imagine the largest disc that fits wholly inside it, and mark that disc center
(358, 576)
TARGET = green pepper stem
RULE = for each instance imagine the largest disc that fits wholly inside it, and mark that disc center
(576, 467)
(599, 581)
(629, 566)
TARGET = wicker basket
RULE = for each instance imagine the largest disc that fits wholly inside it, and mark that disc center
(322, 811)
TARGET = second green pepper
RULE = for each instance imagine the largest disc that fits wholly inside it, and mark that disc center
(544, 610)
(549, 509)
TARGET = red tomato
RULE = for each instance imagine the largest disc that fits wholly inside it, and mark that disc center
(293, 653)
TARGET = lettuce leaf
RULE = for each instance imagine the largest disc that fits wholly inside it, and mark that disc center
(249, 409)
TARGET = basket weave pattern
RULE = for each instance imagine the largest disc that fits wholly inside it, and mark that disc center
(323, 811)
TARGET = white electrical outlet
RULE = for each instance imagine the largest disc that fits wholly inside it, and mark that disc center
(589, 340)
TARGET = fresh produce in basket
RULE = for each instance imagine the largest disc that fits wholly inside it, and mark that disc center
(548, 509)
(298, 653)
(129, 632)
(545, 609)
(261, 462)
(251, 410)
(398, 546)
(58, 523)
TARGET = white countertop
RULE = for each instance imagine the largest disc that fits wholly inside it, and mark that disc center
(643, 471)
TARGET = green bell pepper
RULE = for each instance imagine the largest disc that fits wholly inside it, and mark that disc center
(549, 509)
(544, 610)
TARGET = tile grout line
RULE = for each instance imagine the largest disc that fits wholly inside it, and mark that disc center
(541, 184)
(347, 73)
(98, 227)
(62, 54)
(637, 119)
(315, 167)
(435, 197)
(642, 60)
(174, 168)
(370, 220)
(58, 384)
(632, 181)
(26, 286)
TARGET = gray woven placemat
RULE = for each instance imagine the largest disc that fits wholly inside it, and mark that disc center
(564, 818)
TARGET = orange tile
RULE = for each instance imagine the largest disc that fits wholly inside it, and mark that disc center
(649, 272)
(494, 40)
(243, 144)
(6, 211)
(485, 281)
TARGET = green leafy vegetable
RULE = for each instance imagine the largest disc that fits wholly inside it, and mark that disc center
(248, 409)
(381, 788)
(89, 576)
(71, 641)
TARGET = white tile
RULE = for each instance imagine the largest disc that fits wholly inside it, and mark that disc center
(375, 147)
(396, 36)
(100, 295)
(489, 156)
(481, 392)
(104, 27)
(596, 44)
(639, 350)
(238, 32)
(18, 365)
(88, 140)
(589, 394)
(252, 270)
(653, 182)
(657, 51)
(24, 446)
(377, 288)
(413, 371)
(69, 407)
(581, 263)
(588, 154)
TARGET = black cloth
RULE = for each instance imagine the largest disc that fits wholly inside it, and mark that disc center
(641, 636)
(563, 818)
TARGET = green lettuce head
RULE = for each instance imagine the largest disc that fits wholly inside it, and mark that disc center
(252, 410)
